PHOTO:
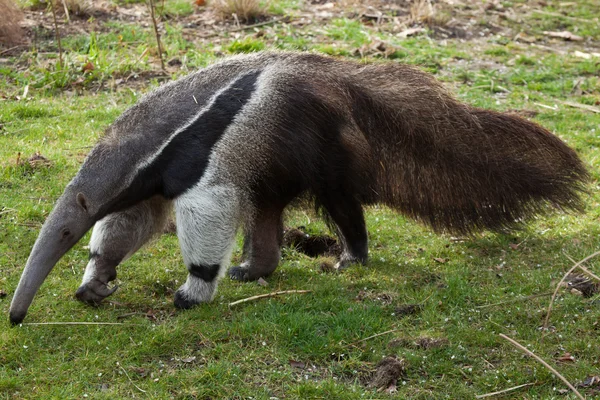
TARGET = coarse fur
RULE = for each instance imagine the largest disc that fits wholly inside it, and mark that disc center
(233, 144)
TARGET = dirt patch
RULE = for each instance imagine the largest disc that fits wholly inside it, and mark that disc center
(581, 285)
(408, 309)
(383, 298)
(311, 245)
(387, 373)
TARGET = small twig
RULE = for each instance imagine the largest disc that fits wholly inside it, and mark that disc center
(131, 314)
(7, 210)
(12, 48)
(79, 323)
(533, 296)
(553, 108)
(560, 283)
(156, 33)
(582, 106)
(60, 62)
(262, 296)
(372, 337)
(544, 363)
(481, 396)
(127, 375)
(243, 28)
(553, 14)
(66, 10)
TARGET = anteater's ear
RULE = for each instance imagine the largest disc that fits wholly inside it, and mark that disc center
(82, 201)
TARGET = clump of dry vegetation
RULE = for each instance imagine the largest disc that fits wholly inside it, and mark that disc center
(10, 31)
(242, 10)
(82, 8)
(423, 11)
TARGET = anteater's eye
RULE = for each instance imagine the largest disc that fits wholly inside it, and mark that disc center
(65, 233)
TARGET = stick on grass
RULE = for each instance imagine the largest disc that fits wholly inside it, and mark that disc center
(533, 296)
(560, 283)
(483, 396)
(262, 296)
(132, 382)
(78, 323)
(373, 336)
(544, 363)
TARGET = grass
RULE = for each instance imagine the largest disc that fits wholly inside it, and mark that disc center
(215, 351)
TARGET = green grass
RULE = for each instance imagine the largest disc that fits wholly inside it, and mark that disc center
(217, 351)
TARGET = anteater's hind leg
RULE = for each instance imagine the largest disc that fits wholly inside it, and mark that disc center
(347, 214)
(206, 224)
(262, 243)
(114, 239)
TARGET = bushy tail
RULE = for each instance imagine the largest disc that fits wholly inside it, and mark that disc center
(461, 169)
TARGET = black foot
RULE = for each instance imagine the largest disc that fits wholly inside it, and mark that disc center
(239, 273)
(93, 292)
(347, 261)
(182, 302)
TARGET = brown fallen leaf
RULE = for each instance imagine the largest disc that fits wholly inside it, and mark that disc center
(188, 360)
(297, 364)
(566, 35)
(200, 3)
(88, 67)
(440, 260)
(566, 358)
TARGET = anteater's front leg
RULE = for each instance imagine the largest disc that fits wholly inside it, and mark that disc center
(207, 219)
(262, 245)
(114, 239)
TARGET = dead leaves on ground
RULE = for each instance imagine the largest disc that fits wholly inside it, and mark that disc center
(36, 161)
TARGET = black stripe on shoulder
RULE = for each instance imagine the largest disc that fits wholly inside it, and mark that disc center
(207, 273)
(183, 161)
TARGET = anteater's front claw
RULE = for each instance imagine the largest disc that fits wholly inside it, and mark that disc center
(93, 292)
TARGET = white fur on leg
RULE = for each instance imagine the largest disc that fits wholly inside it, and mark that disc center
(197, 290)
(207, 219)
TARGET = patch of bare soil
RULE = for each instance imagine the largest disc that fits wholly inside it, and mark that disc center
(311, 245)
(387, 373)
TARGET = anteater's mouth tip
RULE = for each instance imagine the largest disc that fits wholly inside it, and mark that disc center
(16, 319)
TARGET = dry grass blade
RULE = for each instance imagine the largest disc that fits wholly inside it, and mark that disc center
(60, 56)
(560, 284)
(534, 296)
(373, 336)
(483, 396)
(132, 382)
(262, 296)
(156, 33)
(544, 363)
(79, 323)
